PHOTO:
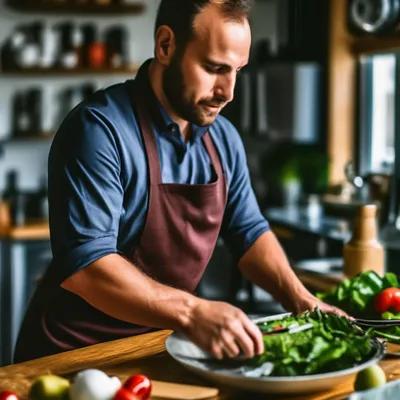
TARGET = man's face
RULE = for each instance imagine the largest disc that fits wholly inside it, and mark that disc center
(200, 81)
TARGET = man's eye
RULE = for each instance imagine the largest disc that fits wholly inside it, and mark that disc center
(213, 70)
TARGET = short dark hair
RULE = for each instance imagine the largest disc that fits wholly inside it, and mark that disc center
(180, 14)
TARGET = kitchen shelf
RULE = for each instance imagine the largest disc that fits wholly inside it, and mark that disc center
(67, 8)
(374, 44)
(38, 71)
(40, 137)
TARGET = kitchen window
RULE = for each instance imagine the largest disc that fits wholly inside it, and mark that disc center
(379, 129)
(377, 93)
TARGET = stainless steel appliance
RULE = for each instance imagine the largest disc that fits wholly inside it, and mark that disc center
(374, 16)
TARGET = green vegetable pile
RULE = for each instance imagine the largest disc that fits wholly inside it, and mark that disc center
(357, 297)
(333, 344)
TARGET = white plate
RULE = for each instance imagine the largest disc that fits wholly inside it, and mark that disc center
(192, 357)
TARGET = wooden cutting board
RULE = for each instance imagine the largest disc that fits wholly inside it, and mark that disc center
(177, 391)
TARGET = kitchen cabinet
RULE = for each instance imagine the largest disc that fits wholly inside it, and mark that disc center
(301, 245)
(23, 261)
(304, 236)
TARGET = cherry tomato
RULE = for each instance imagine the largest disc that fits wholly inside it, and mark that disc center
(385, 299)
(140, 385)
(7, 395)
(125, 394)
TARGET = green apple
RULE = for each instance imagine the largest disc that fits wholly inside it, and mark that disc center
(369, 378)
(49, 387)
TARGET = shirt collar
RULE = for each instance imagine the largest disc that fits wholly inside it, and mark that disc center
(158, 114)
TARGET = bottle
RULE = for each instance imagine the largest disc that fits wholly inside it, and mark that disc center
(67, 52)
(18, 40)
(89, 36)
(97, 55)
(34, 105)
(116, 41)
(23, 117)
(14, 199)
(363, 251)
(30, 53)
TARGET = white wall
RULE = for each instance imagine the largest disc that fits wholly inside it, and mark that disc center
(30, 158)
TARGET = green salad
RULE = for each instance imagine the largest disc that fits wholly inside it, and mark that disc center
(332, 344)
(369, 296)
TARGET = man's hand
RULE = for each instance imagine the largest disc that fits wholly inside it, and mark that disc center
(223, 330)
(328, 308)
(310, 302)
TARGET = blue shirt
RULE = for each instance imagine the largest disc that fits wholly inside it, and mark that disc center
(98, 177)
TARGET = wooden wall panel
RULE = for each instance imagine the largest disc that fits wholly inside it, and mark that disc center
(342, 93)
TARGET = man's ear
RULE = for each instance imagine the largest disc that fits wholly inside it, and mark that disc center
(165, 45)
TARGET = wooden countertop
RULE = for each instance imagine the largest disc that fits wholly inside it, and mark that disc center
(31, 231)
(318, 282)
(142, 354)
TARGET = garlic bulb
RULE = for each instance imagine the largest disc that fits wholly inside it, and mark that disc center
(93, 384)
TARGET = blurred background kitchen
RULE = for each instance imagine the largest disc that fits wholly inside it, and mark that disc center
(315, 108)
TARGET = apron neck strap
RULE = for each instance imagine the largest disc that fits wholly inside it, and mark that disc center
(150, 140)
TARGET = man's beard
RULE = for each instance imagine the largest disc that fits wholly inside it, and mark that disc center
(174, 88)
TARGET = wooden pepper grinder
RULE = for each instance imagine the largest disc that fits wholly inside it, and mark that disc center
(363, 251)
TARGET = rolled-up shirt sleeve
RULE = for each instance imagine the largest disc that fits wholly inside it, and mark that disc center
(243, 221)
(85, 191)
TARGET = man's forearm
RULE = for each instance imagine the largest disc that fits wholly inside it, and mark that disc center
(266, 265)
(116, 287)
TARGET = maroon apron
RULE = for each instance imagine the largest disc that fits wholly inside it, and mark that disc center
(181, 229)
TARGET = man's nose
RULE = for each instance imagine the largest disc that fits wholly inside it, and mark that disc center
(226, 87)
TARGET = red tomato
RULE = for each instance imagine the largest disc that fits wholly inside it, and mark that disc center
(125, 394)
(396, 301)
(7, 395)
(384, 300)
(140, 385)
